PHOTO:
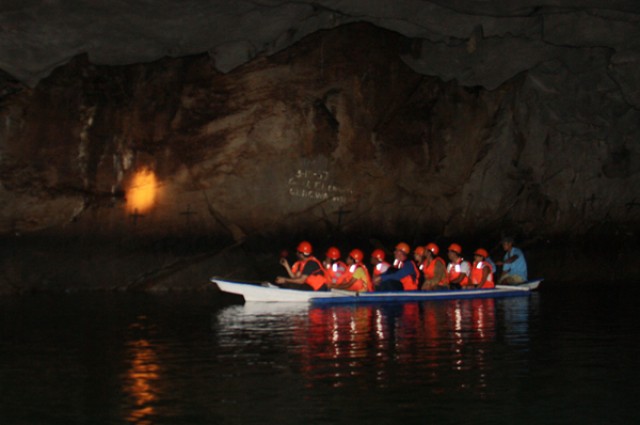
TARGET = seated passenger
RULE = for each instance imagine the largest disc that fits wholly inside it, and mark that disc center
(356, 277)
(404, 275)
(419, 259)
(481, 270)
(458, 269)
(307, 273)
(514, 266)
(334, 267)
(434, 269)
(377, 260)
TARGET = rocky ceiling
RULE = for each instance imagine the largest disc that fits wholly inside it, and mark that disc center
(475, 42)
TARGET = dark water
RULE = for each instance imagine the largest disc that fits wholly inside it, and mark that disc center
(564, 355)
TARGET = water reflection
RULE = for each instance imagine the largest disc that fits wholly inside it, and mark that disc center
(565, 356)
(517, 320)
(449, 344)
(141, 381)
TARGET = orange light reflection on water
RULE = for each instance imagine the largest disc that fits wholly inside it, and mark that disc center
(141, 377)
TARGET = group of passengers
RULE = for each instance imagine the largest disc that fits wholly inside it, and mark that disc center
(424, 270)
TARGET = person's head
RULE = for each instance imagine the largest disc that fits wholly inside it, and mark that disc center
(507, 243)
(480, 254)
(377, 256)
(355, 256)
(333, 254)
(402, 251)
(304, 249)
(418, 254)
(454, 251)
(431, 250)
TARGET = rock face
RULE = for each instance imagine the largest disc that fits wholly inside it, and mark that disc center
(337, 128)
(337, 134)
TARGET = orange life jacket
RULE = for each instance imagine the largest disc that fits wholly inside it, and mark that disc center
(359, 285)
(454, 271)
(317, 278)
(476, 274)
(409, 282)
(429, 270)
(335, 271)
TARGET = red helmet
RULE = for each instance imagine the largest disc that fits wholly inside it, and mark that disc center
(482, 252)
(333, 253)
(305, 248)
(419, 251)
(403, 247)
(433, 248)
(455, 248)
(378, 254)
(357, 255)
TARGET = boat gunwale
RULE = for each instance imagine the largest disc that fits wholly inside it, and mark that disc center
(343, 297)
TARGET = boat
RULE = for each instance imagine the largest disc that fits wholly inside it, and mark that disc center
(268, 292)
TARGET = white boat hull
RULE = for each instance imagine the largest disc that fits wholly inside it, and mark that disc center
(272, 293)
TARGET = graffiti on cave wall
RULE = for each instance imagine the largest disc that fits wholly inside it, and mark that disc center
(317, 185)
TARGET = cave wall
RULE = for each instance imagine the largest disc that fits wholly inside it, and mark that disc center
(336, 131)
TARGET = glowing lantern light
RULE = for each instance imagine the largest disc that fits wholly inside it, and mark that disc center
(142, 192)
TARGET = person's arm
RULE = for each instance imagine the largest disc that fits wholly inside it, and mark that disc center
(302, 275)
(344, 283)
(429, 283)
(512, 256)
(459, 278)
(299, 280)
(406, 270)
(347, 283)
(285, 264)
(440, 271)
(511, 259)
